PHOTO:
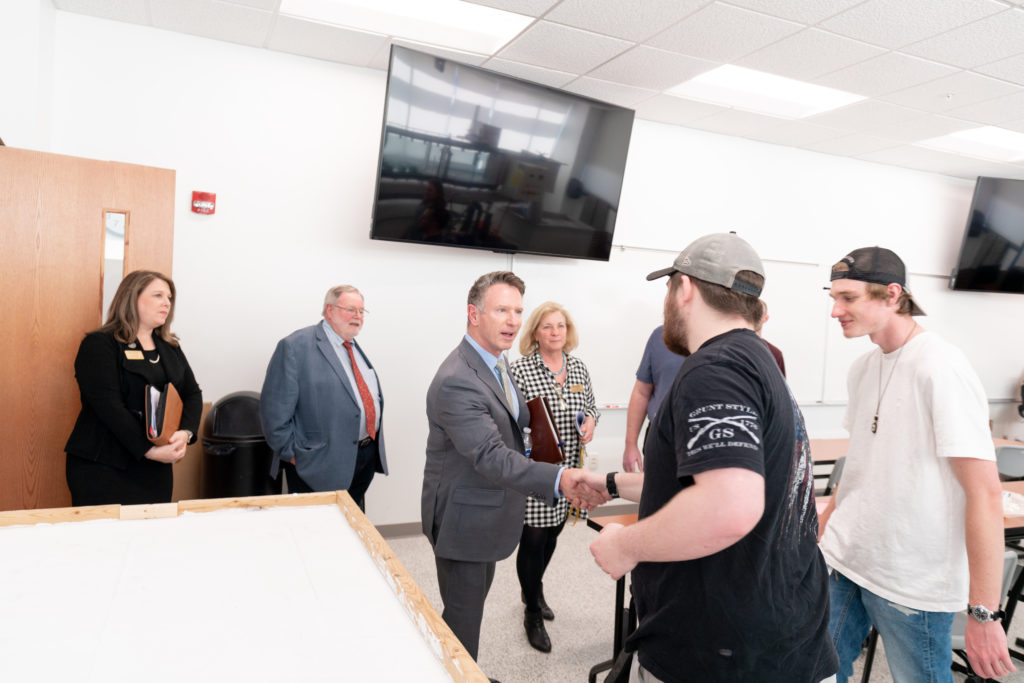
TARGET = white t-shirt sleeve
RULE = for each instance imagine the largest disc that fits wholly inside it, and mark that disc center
(959, 409)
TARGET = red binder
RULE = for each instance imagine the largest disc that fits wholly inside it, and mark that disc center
(547, 444)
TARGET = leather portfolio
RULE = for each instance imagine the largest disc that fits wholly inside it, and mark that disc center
(547, 444)
(163, 413)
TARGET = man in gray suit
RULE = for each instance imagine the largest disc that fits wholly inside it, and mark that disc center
(476, 476)
(321, 404)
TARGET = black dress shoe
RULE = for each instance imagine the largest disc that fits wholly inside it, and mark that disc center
(545, 611)
(535, 631)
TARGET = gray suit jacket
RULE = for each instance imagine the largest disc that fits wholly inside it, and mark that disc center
(309, 411)
(476, 476)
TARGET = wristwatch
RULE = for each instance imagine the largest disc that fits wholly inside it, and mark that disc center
(609, 483)
(984, 615)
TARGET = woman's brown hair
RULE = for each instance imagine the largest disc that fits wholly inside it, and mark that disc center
(123, 315)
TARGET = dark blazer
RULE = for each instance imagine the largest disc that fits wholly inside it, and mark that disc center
(476, 477)
(309, 411)
(108, 430)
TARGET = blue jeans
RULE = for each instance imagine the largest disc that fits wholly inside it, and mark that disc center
(917, 644)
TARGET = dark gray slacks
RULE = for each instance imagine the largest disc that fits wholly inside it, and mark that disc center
(464, 587)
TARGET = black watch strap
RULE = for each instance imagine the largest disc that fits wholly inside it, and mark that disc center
(609, 483)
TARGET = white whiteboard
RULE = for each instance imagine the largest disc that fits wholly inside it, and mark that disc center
(615, 309)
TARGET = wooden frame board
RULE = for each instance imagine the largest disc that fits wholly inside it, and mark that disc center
(451, 654)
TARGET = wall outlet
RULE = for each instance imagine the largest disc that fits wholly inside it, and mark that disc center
(591, 461)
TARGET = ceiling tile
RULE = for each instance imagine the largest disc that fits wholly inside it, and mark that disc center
(132, 11)
(921, 158)
(647, 67)
(920, 128)
(800, 134)
(677, 110)
(528, 72)
(323, 41)
(212, 19)
(606, 91)
(988, 40)
(736, 122)
(809, 54)
(269, 5)
(1016, 124)
(633, 21)
(722, 33)
(993, 112)
(884, 74)
(852, 145)
(798, 10)
(1011, 69)
(864, 115)
(948, 92)
(563, 48)
(531, 8)
(894, 23)
(383, 55)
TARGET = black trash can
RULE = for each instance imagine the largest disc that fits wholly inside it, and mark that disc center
(236, 457)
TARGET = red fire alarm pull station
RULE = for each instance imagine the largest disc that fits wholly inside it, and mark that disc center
(204, 202)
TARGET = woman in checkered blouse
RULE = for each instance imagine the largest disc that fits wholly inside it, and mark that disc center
(546, 369)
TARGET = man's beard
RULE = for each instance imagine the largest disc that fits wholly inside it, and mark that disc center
(674, 334)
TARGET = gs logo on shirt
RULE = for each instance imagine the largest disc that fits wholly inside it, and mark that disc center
(722, 425)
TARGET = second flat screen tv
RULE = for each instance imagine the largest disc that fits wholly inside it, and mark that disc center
(992, 254)
(472, 158)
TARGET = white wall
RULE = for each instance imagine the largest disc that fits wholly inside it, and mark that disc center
(289, 145)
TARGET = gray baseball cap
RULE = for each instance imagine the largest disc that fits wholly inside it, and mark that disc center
(716, 259)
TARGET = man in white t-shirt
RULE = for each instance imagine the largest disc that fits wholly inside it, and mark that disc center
(914, 532)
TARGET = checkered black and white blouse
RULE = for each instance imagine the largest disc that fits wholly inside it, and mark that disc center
(534, 379)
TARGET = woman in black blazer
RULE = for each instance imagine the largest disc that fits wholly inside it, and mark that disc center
(109, 458)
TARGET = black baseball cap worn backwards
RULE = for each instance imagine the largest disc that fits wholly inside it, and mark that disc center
(877, 265)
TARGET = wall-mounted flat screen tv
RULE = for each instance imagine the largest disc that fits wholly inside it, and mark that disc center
(992, 254)
(472, 158)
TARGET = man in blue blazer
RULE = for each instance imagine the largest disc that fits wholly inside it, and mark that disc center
(321, 403)
(476, 477)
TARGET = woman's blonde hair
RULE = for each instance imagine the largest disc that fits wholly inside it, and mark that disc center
(527, 344)
(123, 315)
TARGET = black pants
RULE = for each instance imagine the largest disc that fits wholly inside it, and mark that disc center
(536, 546)
(367, 463)
(95, 483)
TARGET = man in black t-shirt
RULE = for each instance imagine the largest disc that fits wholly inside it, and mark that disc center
(727, 577)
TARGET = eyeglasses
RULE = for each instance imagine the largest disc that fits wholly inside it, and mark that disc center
(362, 312)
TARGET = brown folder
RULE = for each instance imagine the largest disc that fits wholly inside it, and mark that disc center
(547, 445)
(163, 414)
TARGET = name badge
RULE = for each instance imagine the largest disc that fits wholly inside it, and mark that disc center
(133, 355)
(576, 388)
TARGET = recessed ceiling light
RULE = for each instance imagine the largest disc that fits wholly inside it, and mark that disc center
(449, 23)
(757, 91)
(987, 142)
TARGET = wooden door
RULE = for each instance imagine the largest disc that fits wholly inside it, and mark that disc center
(51, 239)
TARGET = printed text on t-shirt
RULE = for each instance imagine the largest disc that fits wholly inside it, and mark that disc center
(737, 428)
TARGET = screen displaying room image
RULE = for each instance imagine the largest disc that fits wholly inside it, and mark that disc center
(472, 158)
(992, 254)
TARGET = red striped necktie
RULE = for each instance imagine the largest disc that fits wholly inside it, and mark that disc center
(364, 394)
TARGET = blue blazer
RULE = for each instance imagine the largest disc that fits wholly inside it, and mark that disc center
(309, 411)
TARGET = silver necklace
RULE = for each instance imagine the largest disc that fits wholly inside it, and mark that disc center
(881, 389)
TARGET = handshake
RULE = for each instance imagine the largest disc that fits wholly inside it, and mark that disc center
(584, 489)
